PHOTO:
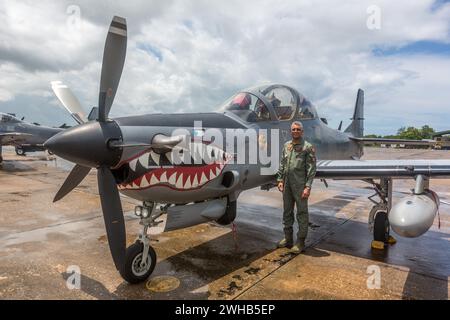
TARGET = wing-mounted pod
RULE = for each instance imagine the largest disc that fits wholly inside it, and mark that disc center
(221, 210)
(188, 215)
(414, 215)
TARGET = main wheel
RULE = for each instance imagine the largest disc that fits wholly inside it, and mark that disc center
(20, 152)
(381, 227)
(132, 271)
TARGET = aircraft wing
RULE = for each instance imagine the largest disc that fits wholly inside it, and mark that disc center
(424, 142)
(13, 138)
(366, 169)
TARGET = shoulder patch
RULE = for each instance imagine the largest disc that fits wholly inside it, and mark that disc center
(310, 147)
(288, 145)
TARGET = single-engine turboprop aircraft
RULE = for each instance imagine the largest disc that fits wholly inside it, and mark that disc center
(175, 160)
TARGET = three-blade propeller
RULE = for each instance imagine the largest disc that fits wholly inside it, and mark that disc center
(95, 137)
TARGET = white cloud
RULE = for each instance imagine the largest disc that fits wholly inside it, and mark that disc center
(190, 56)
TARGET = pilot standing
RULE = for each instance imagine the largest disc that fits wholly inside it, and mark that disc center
(295, 177)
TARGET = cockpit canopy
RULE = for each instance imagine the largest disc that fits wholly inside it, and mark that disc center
(8, 118)
(270, 103)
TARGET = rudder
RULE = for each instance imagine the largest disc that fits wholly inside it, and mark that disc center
(356, 128)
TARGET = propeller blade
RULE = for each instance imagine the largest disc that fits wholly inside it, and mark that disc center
(113, 215)
(69, 101)
(113, 61)
(74, 178)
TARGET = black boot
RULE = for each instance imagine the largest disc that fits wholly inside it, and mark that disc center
(288, 240)
(299, 246)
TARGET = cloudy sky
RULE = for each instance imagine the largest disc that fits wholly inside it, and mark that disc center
(188, 56)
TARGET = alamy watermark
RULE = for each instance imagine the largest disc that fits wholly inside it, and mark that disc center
(73, 21)
(373, 21)
(374, 280)
(233, 146)
(73, 281)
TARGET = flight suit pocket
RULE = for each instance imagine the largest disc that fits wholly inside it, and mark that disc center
(300, 166)
(300, 155)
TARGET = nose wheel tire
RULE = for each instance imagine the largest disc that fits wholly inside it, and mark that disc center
(134, 271)
(20, 152)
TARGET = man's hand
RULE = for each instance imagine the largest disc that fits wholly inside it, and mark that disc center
(306, 193)
(280, 186)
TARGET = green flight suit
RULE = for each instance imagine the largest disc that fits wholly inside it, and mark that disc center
(297, 171)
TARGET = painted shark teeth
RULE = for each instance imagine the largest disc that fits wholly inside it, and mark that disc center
(173, 179)
(203, 179)
(143, 160)
(188, 184)
(179, 184)
(154, 180)
(162, 171)
(155, 157)
(200, 153)
(177, 179)
(195, 182)
(133, 164)
(212, 174)
(144, 182)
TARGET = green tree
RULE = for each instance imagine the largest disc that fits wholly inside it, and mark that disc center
(427, 132)
(371, 136)
(410, 133)
(401, 131)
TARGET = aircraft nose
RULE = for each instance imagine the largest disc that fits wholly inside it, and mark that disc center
(87, 144)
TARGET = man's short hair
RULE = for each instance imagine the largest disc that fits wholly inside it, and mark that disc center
(297, 123)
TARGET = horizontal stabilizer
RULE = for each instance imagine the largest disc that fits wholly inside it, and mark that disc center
(424, 142)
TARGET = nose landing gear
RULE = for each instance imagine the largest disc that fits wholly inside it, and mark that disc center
(140, 258)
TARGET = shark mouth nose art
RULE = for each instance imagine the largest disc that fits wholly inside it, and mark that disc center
(183, 172)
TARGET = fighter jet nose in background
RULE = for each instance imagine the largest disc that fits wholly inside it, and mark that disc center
(87, 144)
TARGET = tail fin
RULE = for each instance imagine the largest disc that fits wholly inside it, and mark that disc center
(356, 128)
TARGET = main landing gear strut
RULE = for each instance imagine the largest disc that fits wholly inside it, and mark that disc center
(378, 216)
(140, 258)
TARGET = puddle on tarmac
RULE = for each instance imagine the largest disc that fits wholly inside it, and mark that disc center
(163, 284)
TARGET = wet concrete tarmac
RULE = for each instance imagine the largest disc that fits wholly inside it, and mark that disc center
(40, 242)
